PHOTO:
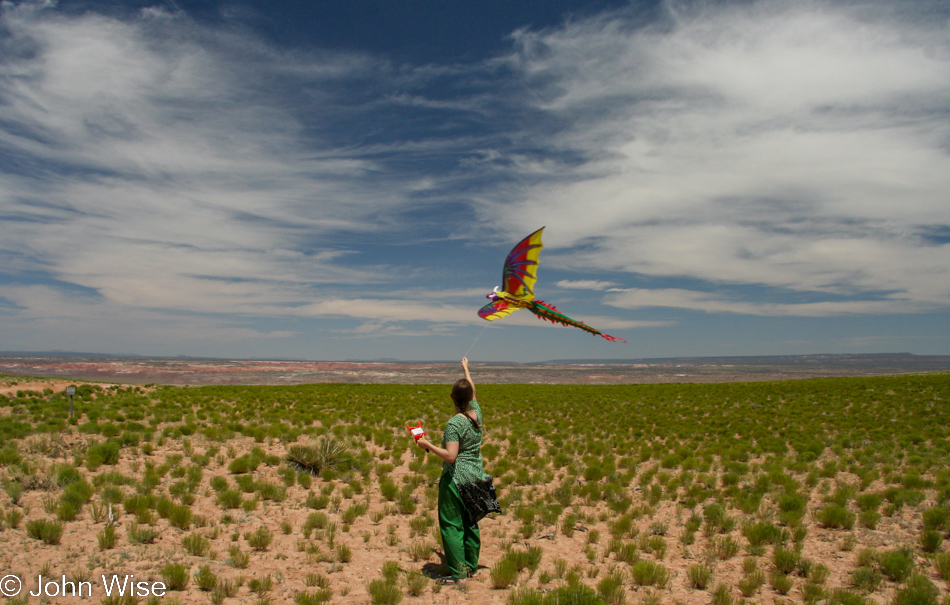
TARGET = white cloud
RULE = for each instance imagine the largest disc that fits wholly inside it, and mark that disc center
(639, 298)
(584, 284)
(167, 166)
(800, 145)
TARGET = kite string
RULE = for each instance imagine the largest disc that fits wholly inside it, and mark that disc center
(476, 339)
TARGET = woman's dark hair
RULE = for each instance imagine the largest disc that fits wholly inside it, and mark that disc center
(462, 394)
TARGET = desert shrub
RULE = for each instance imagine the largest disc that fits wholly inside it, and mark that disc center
(715, 517)
(384, 592)
(930, 540)
(751, 583)
(870, 501)
(785, 560)
(869, 518)
(271, 491)
(66, 511)
(141, 535)
(649, 573)
(935, 518)
(259, 539)
(627, 552)
(106, 452)
(524, 595)
(722, 595)
(724, 547)
(49, 532)
(942, 565)
(245, 463)
(13, 517)
(420, 550)
(317, 502)
(239, 559)
(175, 576)
(180, 516)
(316, 597)
(77, 493)
(835, 516)
(764, 532)
(575, 594)
(205, 579)
(896, 565)
(844, 596)
(107, 538)
(866, 578)
(246, 483)
(344, 554)
(416, 583)
(196, 545)
(917, 590)
(699, 576)
(813, 594)
(780, 582)
(503, 573)
(818, 573)
(657, 546)
(261, 586)
(230, 499)
(792, 508)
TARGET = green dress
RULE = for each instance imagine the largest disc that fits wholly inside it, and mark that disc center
(468, 466)
(460, 539)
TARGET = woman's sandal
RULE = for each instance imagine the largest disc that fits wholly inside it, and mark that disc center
(446, 580)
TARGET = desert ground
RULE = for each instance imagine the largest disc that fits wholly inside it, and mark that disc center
(191, 371)
(333, 536)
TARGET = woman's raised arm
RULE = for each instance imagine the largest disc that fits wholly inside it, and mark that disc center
(468, 376)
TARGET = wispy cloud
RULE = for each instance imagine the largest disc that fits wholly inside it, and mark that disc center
(639, 298)
(195, 179)
(168, 166)
(795, 145)
(584, 284)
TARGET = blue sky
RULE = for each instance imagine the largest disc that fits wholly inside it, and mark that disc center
(342, 180)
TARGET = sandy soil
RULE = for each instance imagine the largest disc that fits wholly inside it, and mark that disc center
(79, 557)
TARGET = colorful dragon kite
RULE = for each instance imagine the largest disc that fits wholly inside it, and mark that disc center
(517, 289)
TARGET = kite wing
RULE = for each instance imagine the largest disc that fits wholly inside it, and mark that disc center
(496, 310)
(521, 268)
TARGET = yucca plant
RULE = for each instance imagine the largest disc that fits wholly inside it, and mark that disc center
(325, 453)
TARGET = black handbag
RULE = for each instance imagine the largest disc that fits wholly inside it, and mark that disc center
(480, 499)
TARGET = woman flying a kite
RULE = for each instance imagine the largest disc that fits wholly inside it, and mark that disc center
(517, 289)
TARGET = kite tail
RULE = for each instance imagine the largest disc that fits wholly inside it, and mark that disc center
(550, 313)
